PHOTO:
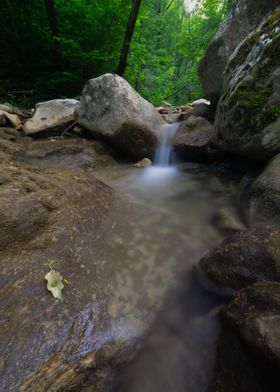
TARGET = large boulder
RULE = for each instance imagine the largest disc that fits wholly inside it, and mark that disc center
(244, 17)
(264, 194)
(255, 311)
(192, 139)
(242, 259)
(111, 109)
(51, 118)
(248, 114)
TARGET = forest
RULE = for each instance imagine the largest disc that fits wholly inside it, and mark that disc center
(53, 47)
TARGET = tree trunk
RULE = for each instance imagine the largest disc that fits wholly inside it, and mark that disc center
(51, 12)
(128, 36)
(52, 20)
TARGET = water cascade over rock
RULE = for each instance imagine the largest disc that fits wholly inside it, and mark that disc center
(166, 134)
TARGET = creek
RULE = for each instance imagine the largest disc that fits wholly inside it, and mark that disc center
(178, 353)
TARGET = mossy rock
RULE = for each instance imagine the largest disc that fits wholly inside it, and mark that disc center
(248, 116)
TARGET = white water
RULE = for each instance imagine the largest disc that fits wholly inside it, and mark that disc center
(166, 133)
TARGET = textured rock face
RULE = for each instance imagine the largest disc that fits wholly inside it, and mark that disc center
(51, 118)
(242, 259)
(112, 109)
(192, 139)
(264, 194)
(73, 153)
(248, 114)
(54, 209)
(243, 19)
(255, 311)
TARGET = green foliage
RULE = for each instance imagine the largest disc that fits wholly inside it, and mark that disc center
(167, 46)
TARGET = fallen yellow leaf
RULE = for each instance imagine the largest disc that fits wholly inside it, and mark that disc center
(54, 284)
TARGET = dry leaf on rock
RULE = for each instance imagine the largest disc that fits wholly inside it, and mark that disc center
(54, 284)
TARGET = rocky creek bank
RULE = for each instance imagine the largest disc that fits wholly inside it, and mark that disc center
(55, 214)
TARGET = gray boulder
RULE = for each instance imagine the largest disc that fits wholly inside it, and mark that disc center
(242, 259)
(51, 118)
(111, 109)
(255, 311)
(248, 114)
(264, 194)
(244, 17)
(193, 137)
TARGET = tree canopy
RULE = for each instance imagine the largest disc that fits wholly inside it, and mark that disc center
(50, 48)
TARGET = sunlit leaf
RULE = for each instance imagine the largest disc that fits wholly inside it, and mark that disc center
(54, 284)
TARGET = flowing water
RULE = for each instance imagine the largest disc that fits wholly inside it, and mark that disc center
(166, 135)
(179, 351)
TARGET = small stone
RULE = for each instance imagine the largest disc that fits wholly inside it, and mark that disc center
(2, 180)
(145, 162)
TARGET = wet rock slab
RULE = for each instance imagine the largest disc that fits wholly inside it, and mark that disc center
(72, 152)
(118, 273)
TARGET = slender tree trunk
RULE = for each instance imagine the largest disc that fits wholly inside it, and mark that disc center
(128, 36)
(52, 20)
(51, 13)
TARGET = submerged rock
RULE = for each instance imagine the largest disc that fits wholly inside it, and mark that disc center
(192, 139)
(248, 114)
(228, 220)
(110, 108)
(51, 118)
(264, 194)
(242, 259)
(255, 311)
(244, 17)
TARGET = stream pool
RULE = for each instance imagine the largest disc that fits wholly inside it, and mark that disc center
(178, 353)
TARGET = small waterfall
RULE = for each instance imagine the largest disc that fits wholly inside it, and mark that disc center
(166, 135)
